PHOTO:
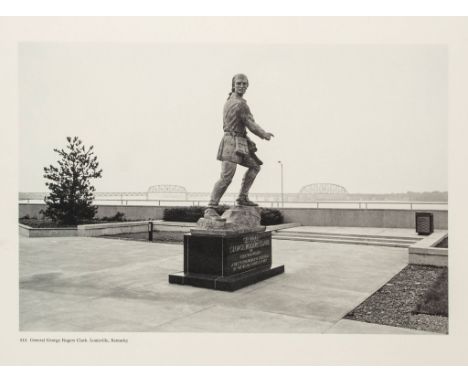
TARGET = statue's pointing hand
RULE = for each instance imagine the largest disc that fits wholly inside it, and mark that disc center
(268, 136)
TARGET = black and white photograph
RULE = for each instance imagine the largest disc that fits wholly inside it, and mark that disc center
(276, 183)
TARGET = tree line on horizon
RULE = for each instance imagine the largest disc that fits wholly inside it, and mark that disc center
(425, 196)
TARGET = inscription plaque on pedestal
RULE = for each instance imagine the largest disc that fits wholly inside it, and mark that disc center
(227, 261)
(248, 252)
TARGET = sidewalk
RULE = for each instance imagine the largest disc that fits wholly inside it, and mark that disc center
(96, 285)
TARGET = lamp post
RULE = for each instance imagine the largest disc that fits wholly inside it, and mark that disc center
(282, 192)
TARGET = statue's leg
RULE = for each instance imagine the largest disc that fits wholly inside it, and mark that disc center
(228, 169)
(247, 182)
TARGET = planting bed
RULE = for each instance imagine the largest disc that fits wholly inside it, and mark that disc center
(415, 298)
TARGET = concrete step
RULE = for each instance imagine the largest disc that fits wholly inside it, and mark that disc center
(357, 235)
(373, 238)
(343, 241)
(278, 227)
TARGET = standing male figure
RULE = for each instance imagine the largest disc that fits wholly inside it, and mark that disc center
(236, 147)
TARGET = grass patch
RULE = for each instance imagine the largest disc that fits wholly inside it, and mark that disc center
(435, 301)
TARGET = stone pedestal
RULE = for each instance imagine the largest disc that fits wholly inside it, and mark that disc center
(226, 260)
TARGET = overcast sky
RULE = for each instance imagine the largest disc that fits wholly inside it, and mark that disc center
(372, 118)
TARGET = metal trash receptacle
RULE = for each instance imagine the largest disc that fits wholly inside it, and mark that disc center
(424, 223)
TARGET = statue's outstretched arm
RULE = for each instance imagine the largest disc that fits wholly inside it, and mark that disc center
(256, 129)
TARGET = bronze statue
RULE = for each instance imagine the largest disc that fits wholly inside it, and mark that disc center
(236, 147)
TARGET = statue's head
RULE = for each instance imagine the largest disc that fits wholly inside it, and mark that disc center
(240, 83)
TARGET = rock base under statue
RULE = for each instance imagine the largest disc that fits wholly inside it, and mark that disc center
(238, 218)
(227, 261)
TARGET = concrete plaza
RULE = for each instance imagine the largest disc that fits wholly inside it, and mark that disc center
(103, 285)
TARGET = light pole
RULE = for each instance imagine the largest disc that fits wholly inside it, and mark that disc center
(282, 192)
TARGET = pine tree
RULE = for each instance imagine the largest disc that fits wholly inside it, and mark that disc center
(71, 193)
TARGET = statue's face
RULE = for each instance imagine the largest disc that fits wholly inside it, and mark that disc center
(241, 83)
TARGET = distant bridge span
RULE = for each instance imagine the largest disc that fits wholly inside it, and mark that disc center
(171, 192)
(323, 188)
(167, 188)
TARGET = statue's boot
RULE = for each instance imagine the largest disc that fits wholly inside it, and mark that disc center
(245, 201)
(210, 213)
(247, 182)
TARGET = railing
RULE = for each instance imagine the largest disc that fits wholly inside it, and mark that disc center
(361, 204)
(365, 203)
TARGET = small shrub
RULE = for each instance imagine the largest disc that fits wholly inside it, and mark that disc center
(118, 217)
(269, 216)
(183, 214)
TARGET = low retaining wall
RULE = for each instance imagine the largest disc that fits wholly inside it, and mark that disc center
(335, 217)
(173, 231)
(379, 218)
(46, 232)
(426, 252)
(93, 230)
(132, 212)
